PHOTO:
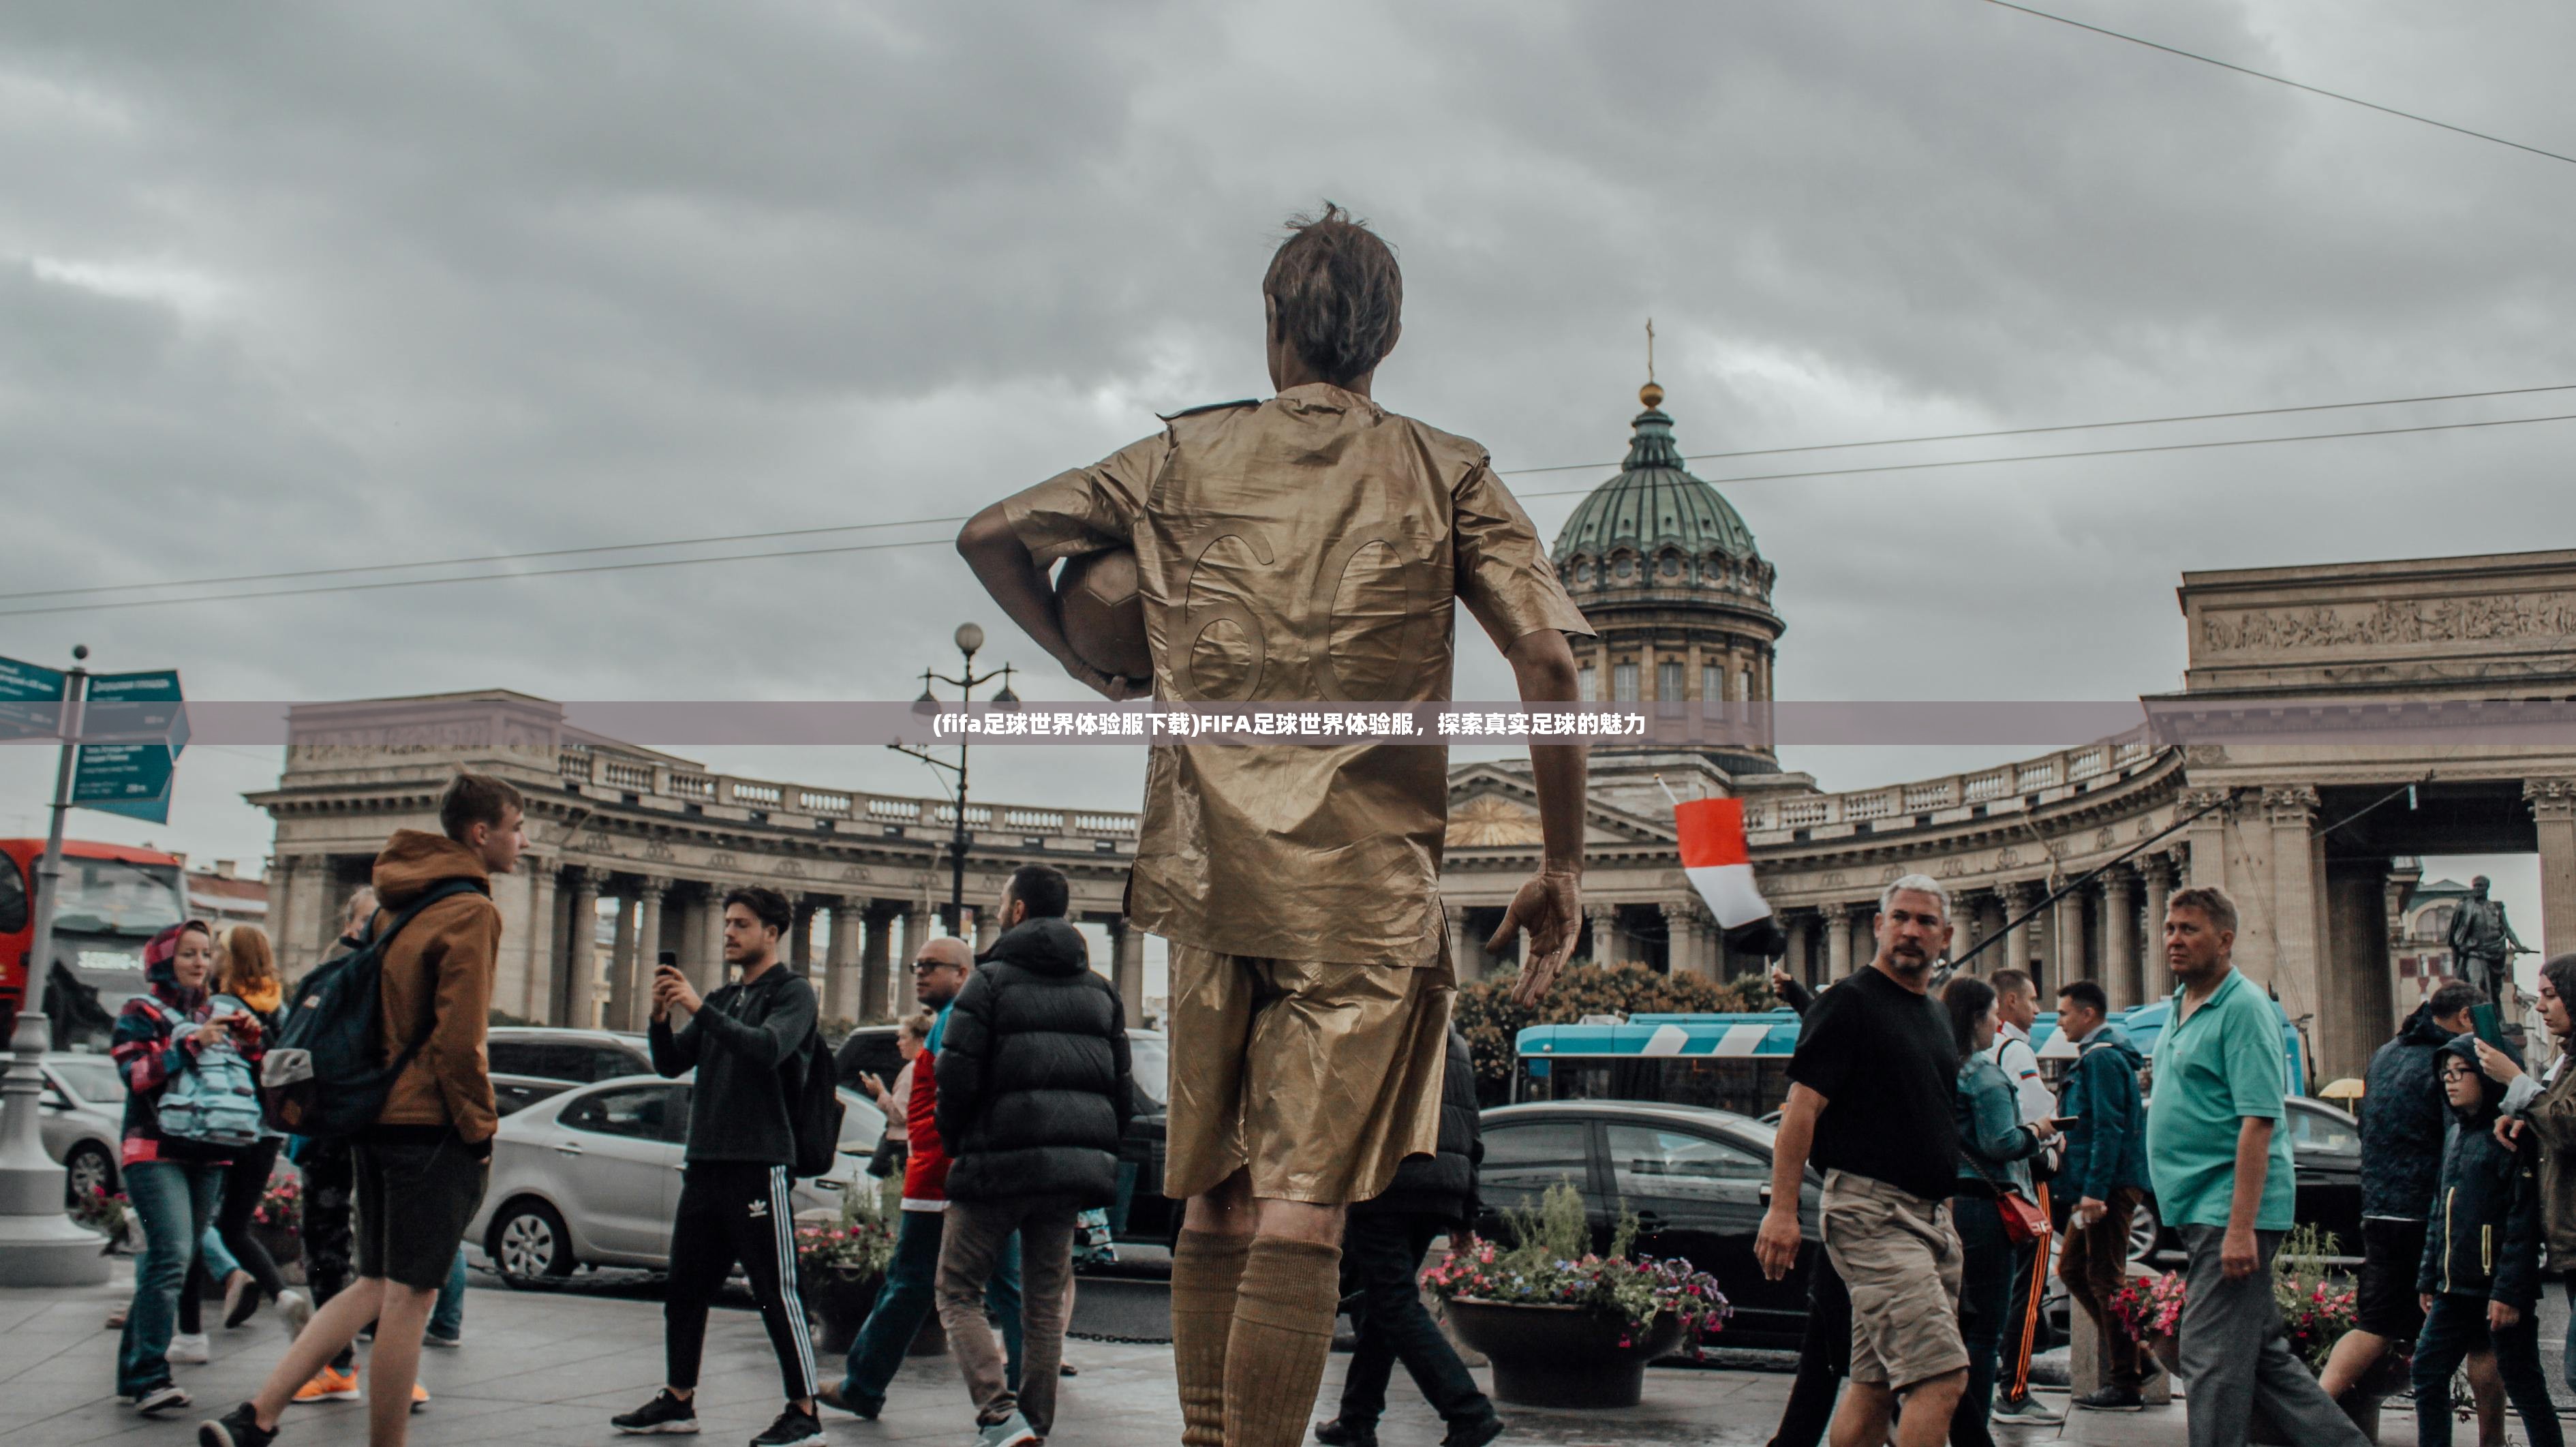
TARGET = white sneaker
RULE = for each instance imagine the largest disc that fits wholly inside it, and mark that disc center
(190, 1349)
(294, 1309)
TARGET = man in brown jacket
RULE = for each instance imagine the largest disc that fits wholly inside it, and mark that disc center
(422, 1166)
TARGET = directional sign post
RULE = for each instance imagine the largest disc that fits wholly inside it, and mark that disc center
(39, 1244)
(132, 729)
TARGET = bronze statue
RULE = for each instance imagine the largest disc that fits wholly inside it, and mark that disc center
(2483, 943)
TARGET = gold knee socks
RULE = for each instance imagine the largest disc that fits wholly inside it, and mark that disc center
(1206, 1270)
(1283, 1330)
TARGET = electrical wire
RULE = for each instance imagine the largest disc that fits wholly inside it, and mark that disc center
(2094, 452)
(1554, 492)
(828, 528)
(2285, 80)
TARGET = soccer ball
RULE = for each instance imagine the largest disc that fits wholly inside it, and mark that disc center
(1103, 613)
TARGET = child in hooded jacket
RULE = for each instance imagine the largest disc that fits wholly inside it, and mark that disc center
(2481, 1276)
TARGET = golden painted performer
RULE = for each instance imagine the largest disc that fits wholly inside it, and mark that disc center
(1303, 549)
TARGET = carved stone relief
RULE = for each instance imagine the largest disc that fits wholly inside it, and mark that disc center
(2392, 621)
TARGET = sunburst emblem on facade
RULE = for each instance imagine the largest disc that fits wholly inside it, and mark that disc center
(1489, 819)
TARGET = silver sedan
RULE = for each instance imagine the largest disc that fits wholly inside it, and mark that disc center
(590, 1177)
(81, 1115)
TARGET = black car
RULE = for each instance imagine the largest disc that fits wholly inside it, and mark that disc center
(2326, 1145)
(1698, 1179)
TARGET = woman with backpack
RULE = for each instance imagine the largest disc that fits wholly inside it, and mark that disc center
(246, 980)
(185, 1071)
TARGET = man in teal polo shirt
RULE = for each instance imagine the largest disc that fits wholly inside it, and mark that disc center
(2223, 1177)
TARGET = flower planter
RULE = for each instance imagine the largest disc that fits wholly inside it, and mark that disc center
(1563, 1356)
(285, 1245)
(840, 1303)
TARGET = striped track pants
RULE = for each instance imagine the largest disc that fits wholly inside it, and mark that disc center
(736, 1211)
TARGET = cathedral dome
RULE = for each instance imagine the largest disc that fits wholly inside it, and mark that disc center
(1655, 525)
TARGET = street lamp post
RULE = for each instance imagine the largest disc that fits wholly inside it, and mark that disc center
(969, 639)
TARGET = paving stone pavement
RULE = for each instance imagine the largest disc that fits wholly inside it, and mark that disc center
(550, 1368)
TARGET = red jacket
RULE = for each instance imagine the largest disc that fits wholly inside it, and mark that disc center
(925, 1168)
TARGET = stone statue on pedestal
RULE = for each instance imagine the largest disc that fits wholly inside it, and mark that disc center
(2483, 943)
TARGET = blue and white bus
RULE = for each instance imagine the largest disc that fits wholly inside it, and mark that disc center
(1741, 1062)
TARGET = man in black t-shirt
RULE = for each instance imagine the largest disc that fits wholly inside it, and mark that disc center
(1870, 1100)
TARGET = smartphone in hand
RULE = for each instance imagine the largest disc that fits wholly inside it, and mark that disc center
(2487, 1023)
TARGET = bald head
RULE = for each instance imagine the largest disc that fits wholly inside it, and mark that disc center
(939, 970)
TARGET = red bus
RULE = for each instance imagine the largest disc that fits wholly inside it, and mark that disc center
(114, 899)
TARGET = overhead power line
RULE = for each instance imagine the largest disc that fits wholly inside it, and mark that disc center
(2285, 80)
(2060, 427)
(2101, 452)
(829, 528)
(928, 542)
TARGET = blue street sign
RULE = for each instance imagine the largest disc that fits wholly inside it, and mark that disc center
(23, 684)
(131, 776)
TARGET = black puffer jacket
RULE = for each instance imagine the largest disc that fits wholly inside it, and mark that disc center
(2402, 1117)
(1442, 1186)
(1034, 1086)
(2484, 1236)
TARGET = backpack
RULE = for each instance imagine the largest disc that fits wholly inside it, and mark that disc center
(215, 1102)
(814, 1111)
(321, 1078)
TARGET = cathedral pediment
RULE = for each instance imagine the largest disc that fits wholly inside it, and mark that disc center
(1496, 807)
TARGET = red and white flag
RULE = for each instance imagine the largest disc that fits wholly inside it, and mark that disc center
(1715, 858)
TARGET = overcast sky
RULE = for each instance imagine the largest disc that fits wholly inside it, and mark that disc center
(288, 287)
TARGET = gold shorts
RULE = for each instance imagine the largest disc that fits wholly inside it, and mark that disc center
(1320, 1077)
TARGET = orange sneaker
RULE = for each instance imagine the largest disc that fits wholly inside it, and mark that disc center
(419, 1396)
(330, 1385)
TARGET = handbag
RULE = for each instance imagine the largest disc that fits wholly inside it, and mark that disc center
(2024, 1222)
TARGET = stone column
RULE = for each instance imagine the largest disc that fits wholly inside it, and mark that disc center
(1797, 924)
(1688, 949)
(1864, 932)
(1127, 968)
(707, 971)
(535, 945)
(2298, 918)
(285, 880)
(875, 964)
(988, 925)
(920, 927)
(2353, 1003)
(2120, 937)
(1466, 952)
(841, 978)
(576, 972)
(2159, 874)
(2207, 838)
(648, 950)
(2066, 953)
(2017, 897)
(1963, 923)
(1604, 920)
(621, 968)
(2553, 809)
(1838, 942)
(800, 934)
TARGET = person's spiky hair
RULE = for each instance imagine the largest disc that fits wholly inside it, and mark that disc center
(1335, 293)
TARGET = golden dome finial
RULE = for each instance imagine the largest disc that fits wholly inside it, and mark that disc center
(1650, 394)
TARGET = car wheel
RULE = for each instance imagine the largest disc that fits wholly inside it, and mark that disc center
(88, 1170)
(2144, 1228)
(529, 1243)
